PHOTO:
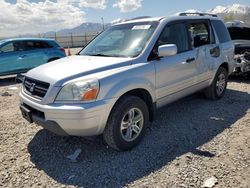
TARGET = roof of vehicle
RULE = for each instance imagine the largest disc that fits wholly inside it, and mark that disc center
(170, 18)
(26, 39)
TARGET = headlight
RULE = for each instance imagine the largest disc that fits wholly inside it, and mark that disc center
(81, 90)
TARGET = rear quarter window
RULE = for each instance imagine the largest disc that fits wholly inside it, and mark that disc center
(221, 31)
(42, 45)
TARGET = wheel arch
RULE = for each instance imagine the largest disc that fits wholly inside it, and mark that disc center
(225, 65)
(145, 96)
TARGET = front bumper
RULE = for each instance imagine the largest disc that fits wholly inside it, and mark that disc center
(70, 119)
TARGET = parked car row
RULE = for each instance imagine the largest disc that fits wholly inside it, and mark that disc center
(20, 55)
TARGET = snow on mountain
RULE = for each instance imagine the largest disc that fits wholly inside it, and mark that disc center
(233, 9)
(236, 9)
(229, 13)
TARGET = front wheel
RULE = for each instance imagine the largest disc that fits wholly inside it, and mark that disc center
(218, 88)
(127, 123)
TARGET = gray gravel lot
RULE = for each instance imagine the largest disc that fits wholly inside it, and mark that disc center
(190, 141)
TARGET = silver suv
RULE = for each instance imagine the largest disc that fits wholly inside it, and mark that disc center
(115, 84)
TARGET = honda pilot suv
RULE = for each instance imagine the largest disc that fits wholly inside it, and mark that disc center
(116, 83)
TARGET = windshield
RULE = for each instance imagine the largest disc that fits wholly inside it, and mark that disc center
(239, 33)
(126, 40)
(1, 42)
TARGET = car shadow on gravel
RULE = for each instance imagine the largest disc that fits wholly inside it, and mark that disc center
(7, 81)
(239, 79)
(179, 128)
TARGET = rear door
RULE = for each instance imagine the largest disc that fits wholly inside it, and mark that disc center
(206, 51)
(174, 74)
(225, 44)
(35, 54)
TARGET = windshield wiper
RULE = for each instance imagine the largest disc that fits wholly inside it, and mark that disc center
(101, 55)
(104, 55)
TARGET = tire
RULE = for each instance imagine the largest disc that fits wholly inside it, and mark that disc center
(218, 87)
(119, 125)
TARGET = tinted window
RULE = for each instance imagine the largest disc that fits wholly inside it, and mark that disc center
(221, 31)
(44, 44)
(19, 46)
(199, 33)
(239, 33)
(34, 45)
(175, 34)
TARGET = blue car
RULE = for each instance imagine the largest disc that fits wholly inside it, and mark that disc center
(20, 55)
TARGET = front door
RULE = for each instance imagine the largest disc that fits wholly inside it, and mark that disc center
(206, 50)
(174, 74)
(11, 60)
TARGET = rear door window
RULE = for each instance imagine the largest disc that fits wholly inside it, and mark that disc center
(221, 31)
(36, 45)
(45, 44)
(199, 34)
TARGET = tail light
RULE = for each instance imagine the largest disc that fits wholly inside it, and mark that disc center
(63, 50)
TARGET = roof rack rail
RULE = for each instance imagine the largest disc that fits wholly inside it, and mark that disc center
(197, 13)
(141, 17)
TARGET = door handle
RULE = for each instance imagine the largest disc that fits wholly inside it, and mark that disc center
(215, 52)
(190, 60)
(22, 56)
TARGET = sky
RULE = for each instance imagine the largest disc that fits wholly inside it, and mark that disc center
(38, 16)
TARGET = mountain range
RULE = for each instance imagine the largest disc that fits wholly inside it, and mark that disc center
(228, 13)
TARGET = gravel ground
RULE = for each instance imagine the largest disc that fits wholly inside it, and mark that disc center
(190, 141)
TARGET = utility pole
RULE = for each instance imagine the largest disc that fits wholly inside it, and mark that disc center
(103, 26)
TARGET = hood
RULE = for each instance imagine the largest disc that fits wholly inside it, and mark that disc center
(239, 33)
(241, 42)
(75, 66)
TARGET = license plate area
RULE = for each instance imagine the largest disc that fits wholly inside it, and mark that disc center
(26, 113)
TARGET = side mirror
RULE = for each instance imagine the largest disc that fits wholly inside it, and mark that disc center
(167, 50)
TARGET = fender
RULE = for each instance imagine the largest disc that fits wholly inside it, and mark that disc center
(124, 86)
(137, 76)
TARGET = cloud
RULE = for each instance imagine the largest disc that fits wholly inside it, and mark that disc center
(97, 4)
(26, 17)
(128, 5)
(38, 17)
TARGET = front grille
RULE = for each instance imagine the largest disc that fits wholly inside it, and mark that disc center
(35, 88)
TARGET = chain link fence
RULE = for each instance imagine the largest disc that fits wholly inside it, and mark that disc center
(73, 41)
(70, 40)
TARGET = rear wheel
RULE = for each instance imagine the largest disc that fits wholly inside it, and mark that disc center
(127, 123)
(218, 88)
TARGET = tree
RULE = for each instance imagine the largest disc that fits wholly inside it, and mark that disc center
(229, 18)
